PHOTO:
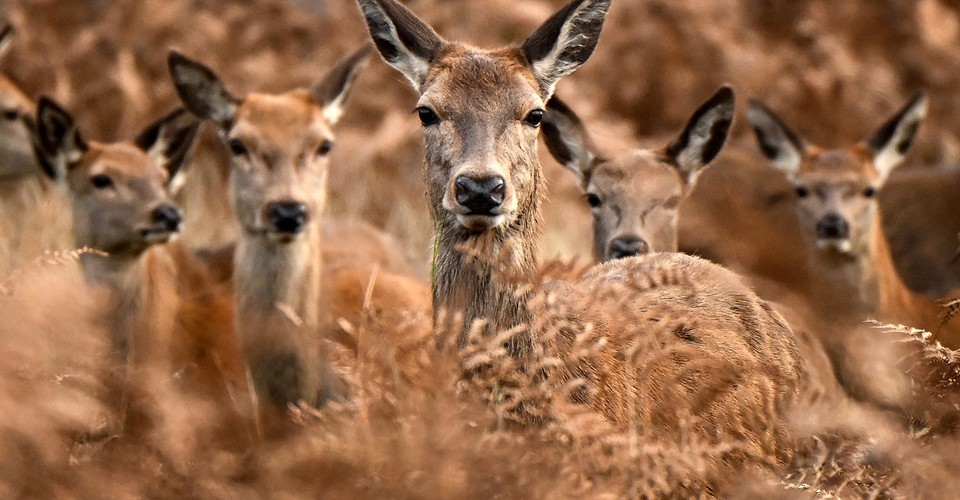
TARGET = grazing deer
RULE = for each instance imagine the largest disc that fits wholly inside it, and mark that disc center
(280, 147)
(164, 320)
(836, 199)
(635, 197)
(671, 321)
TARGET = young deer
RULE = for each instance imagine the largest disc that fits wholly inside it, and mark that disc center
(165, 320)
(280, 147)
(836, 199)
(635, 197)
(481, 112)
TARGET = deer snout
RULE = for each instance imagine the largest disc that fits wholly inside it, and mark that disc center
(286, 217)
(480, 196)
(833, 226)
(167, 216)
(627, 246)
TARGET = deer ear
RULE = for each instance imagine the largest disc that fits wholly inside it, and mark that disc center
(57, 141)
(703, 136)
(568, 140)
(405, 42)
(777, 142)
(201, 91)
(7, 33)
(565, 41)
(168, 141)
(334, 88)
(892, 140)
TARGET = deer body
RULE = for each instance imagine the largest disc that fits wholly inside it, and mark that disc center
(722, 348)
(836, 202)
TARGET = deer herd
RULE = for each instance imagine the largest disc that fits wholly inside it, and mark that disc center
(683, 341)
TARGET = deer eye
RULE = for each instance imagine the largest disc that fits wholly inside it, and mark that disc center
(101, 181)
(802, 192)
(869, 192)
(534, 118)
(427, 116)
(236, 147)
(593, 200)
(11, 115)
(324, 148)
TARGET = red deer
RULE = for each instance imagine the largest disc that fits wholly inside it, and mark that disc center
(481, 112)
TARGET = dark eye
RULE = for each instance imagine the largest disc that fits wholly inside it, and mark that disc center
(869, 192)
(427, 116)
(593, 200)
(101, 181)
(802, 192)
(236, 147)
(11, 115)
(534, 118)
(324, 148)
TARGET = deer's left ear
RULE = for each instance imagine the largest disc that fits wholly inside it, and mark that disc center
(334, 88)
(565, 41)
(890, 143)
(168, 141)
(57, 141)
(703, 136)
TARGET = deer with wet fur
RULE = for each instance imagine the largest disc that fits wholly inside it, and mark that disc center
(836, 200)
(481, 112)
(280, 145)
(166, 320)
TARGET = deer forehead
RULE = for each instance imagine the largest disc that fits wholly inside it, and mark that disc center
(838, 165)
(467, 80)
(11, 97)
(640, 176)
(284, 120)
(120, 159)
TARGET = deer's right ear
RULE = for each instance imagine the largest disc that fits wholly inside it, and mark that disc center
(777, 142)
(57, 141)
(201, 91)
(567, 139)
(6, 36)
(565, 41)
(405, 42)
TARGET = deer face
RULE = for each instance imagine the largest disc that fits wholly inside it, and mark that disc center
(835, 190)
(481, 109)
(118, 192)
(634, 197)
(16, 123)
(279, 144)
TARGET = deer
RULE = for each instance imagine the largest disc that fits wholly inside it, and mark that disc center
(279, 146)
(16, 123)
(166, 323)
(481, 111)
(835, 194)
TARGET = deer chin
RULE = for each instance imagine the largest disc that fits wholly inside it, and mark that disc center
(480, 223)
(157, 235)
(836, 246)
(283, 237)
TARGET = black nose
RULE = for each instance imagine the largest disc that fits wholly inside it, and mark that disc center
(625, 246)
(833, 226)
(168, 215)
(480, 196)
(287, 216)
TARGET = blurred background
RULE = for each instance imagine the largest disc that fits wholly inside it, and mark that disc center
(833, 70)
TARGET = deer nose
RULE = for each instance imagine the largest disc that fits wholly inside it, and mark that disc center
(480, 196)
(287, 216)
(167, 215)
(626, 246)
(833, 226)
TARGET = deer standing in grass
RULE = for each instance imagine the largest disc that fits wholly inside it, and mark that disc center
(280, 147)
(166, 321)
(836, 199)
(686, 340)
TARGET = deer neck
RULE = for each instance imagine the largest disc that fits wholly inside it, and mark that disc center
(143, 291)
(277, 316)
(487, 276)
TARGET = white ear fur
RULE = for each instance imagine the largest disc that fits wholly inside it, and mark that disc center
(891, 142)
(405, 42)
(777, 142)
